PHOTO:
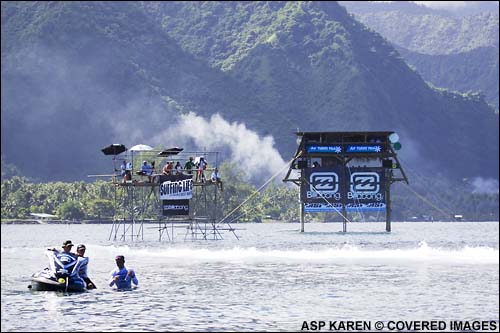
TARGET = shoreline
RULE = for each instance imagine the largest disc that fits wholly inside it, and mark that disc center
(32, 221)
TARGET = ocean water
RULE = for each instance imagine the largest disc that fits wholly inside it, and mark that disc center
(272, 279)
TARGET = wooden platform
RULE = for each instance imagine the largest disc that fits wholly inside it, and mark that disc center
(148, 184)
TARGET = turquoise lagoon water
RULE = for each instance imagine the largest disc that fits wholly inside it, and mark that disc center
(272, 279)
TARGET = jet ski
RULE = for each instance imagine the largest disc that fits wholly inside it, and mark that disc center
(61, 275)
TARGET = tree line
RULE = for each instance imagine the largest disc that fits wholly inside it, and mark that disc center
(103, 200)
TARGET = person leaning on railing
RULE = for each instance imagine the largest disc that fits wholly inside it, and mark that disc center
(189, 166)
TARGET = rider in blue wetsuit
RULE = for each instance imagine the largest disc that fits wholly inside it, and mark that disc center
(122, 277)
(66, 257)
(82, 271)
(66, 263)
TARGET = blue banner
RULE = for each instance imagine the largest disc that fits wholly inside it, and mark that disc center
(345, 148)
(336, 149)
(327, 189)
(363, 149)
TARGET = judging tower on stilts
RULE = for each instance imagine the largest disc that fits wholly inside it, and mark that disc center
(165, 191)
(344, 172)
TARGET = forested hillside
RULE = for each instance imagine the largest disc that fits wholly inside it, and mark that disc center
(315, 66)
(424, 30)
(475, 70)
(454, 49)
(77, 76)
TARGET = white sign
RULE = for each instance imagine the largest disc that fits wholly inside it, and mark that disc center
(176, 190)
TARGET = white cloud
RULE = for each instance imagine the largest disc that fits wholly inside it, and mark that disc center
(443, 4)
(481, 185)
(256, 155)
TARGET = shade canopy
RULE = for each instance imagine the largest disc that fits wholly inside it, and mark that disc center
(170, 151)
(141, 148)
(114, 149)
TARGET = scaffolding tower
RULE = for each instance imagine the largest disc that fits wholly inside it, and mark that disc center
(341, 172)
(203, 221)
(138, 200)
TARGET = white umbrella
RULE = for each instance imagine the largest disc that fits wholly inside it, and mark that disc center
(141, 148)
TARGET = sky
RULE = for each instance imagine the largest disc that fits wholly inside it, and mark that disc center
(450, 5)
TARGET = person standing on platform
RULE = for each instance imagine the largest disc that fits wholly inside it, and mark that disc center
(189, 166)
(123, 169)
(126, 170)
(178, 168)
(202, 165)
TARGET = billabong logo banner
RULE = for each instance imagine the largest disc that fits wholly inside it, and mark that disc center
(365, 182)
(328, 189)
(324, 182)
(175, 207)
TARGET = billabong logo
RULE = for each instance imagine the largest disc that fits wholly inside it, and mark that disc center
(176, 207)
(324, 182)
(365, 182)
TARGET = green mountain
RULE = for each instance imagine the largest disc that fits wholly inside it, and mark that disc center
(425, 30)
(318, 68)
(82, 75)
(77, 76)
(449, 48)
(475, 70)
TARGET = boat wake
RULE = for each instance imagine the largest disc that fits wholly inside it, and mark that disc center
(422, 253)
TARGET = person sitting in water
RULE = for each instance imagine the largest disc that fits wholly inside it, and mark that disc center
(122, 277)
(82, 270)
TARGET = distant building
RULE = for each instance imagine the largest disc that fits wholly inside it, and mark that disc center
(43, 217)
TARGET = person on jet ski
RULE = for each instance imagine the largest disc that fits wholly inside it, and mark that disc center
(62, 271)
(67, 245)
(82, 271)
(67, 258)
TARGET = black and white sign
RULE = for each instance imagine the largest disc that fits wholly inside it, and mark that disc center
(176, 187)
